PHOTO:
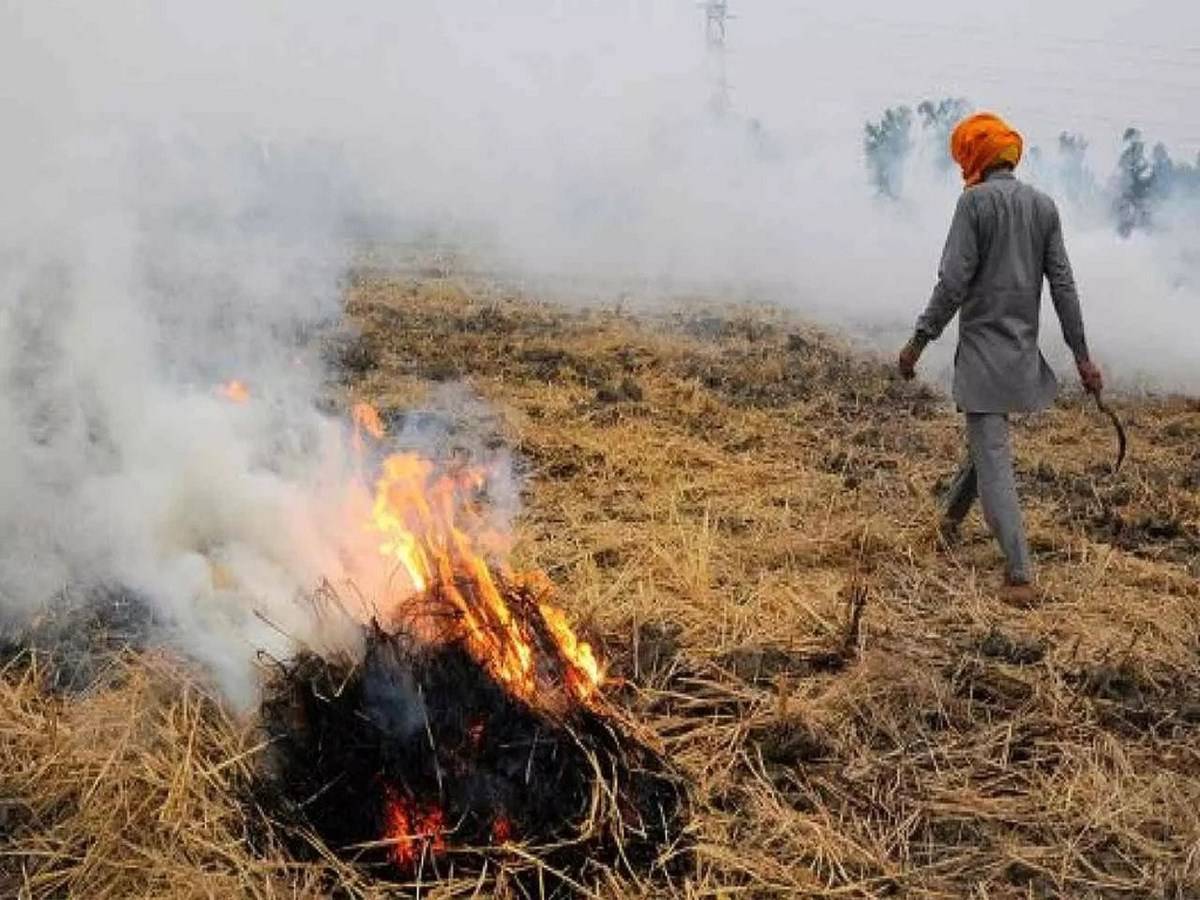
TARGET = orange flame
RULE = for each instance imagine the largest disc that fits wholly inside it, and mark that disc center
(586, 673)
(443, 556)
(413, 830)
(366, 418)
(235, 391)
(501, 830)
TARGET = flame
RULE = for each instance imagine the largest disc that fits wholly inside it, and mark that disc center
(366, 418)
(586, 672)
(501, 830)
(366, 422)
(235, 391)
(413, 830)
(442, 555)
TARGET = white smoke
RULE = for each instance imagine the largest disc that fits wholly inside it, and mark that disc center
(138, 275)
(184, 185)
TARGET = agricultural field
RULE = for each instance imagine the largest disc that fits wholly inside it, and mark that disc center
(740, 512)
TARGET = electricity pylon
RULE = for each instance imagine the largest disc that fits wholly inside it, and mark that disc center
(716, 14)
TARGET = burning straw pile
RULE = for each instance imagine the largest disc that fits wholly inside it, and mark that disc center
(470, 733)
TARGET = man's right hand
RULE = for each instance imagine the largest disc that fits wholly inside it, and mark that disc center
(909, 354)
(1089, 374)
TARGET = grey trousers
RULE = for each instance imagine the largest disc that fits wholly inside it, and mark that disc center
(988, 475)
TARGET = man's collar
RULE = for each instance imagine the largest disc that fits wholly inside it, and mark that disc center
(1000, 174)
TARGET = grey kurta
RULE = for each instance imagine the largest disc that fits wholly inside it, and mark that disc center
(1005, 239)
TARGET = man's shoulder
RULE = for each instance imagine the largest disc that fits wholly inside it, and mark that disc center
(1045, 207)
(992, 187)
(1039, 196)
(1012, 187)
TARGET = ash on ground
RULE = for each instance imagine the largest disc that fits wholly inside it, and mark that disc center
(417, 764)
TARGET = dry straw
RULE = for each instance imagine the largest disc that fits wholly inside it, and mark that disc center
(714, 494)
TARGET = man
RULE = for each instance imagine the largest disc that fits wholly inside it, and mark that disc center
(1004, 239)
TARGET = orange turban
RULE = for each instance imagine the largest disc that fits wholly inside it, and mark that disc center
(980, 142)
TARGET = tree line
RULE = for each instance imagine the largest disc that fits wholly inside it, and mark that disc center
(1134, 197)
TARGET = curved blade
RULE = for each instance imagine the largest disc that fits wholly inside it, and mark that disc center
(1122, 440)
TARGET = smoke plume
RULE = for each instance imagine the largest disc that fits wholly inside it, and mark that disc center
(185, 186)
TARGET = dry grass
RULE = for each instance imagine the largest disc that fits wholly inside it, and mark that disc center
(131, 790)
(708, 492)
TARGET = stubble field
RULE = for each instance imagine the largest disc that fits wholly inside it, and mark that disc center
(742, 511)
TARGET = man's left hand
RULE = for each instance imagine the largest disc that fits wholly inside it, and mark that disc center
(1089, 374)
(908, 359)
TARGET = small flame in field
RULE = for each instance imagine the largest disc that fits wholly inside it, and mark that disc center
(438, 546)
(414, 831)
(235, 391)
(501, 830)
(366, 418)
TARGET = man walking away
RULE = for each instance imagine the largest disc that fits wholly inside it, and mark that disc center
(1004, 239)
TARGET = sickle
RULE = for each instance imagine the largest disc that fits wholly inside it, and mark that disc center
(1122, 441)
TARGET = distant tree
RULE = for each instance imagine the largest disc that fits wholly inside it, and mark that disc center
(1133, 185)
(1073, 143)
(1162, 173)
(887, 144)
(1177, 183)
(938, 121)
(1072, 147)
(1192, 178)
(1187, 179)
(1075, 178)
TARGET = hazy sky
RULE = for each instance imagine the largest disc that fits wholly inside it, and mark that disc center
(571, 135)
(1090, 67)
(1052, 64)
